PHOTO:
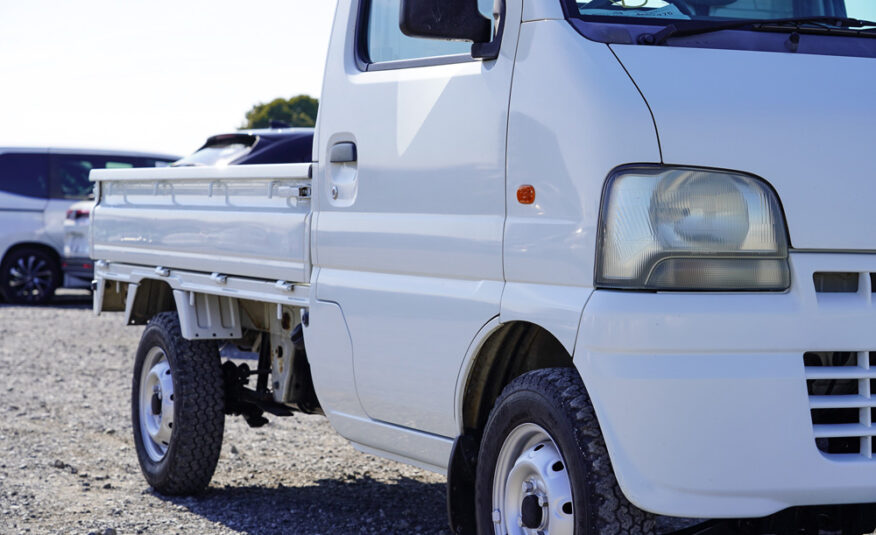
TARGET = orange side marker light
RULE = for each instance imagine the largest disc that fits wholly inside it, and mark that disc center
(526, 194)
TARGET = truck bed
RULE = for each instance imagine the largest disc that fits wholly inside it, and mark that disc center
(249, 221)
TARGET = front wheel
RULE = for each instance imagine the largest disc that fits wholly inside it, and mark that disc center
(543, 468)
(177, 408)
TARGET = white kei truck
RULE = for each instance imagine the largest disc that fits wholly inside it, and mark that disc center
(603, 263)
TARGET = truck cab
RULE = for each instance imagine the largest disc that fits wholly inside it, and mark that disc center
(602, 263)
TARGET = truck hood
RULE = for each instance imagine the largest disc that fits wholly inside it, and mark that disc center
(804, 123)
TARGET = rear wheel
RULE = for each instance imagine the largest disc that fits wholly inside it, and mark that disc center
(29, 276)
(543, 468)
(177, 408)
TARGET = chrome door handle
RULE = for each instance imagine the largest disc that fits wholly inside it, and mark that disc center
(343, 153)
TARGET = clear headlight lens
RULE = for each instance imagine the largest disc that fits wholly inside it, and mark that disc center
(691, 229)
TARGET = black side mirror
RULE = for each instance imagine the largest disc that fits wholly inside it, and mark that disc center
(457, 20)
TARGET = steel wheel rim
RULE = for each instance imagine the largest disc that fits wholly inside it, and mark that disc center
(30, 277)
(156, 404)
(532, 493)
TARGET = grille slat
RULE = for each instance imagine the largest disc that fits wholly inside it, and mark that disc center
(865, 413)
(841, 403)
(845, 372)
(843, 430)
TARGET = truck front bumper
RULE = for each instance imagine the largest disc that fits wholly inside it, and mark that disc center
(703, 400)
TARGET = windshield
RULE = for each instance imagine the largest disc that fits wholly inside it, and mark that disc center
(215, 155)
(219, 150)
(723, 10)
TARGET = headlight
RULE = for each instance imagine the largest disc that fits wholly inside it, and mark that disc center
(690, 229)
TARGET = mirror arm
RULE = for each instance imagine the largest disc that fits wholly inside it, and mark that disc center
(490, 50)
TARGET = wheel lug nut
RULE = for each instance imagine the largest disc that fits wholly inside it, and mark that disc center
(528, 486)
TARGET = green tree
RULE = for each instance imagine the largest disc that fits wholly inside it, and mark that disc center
(297, 111)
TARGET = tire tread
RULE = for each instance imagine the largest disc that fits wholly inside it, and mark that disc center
(199, 411)
(610, 511)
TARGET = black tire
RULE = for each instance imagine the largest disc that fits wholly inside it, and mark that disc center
(198, 418)
(555, 400)
(29, 276)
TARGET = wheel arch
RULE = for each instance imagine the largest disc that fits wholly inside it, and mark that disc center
(150, 298)
(507, 351)
(202, 316)
(502, 352)
(56, 256)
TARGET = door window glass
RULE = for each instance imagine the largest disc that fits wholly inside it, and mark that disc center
(71, 175)
(118, 165)
(386, 42)
(24, 174)
(70, 172)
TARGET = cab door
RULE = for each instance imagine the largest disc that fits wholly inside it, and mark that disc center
(411, 206)
(24, 191)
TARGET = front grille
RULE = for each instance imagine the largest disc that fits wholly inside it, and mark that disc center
(842, 401)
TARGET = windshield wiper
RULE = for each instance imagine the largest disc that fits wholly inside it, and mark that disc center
(681, 29)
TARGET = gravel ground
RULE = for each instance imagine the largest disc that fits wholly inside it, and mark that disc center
(68, 465)
(67, 460)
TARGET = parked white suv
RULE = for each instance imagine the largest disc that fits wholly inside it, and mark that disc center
(37, 186)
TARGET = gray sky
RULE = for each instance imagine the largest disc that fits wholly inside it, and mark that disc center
(156, 75)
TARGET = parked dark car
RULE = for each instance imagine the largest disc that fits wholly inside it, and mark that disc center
(275, 145)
